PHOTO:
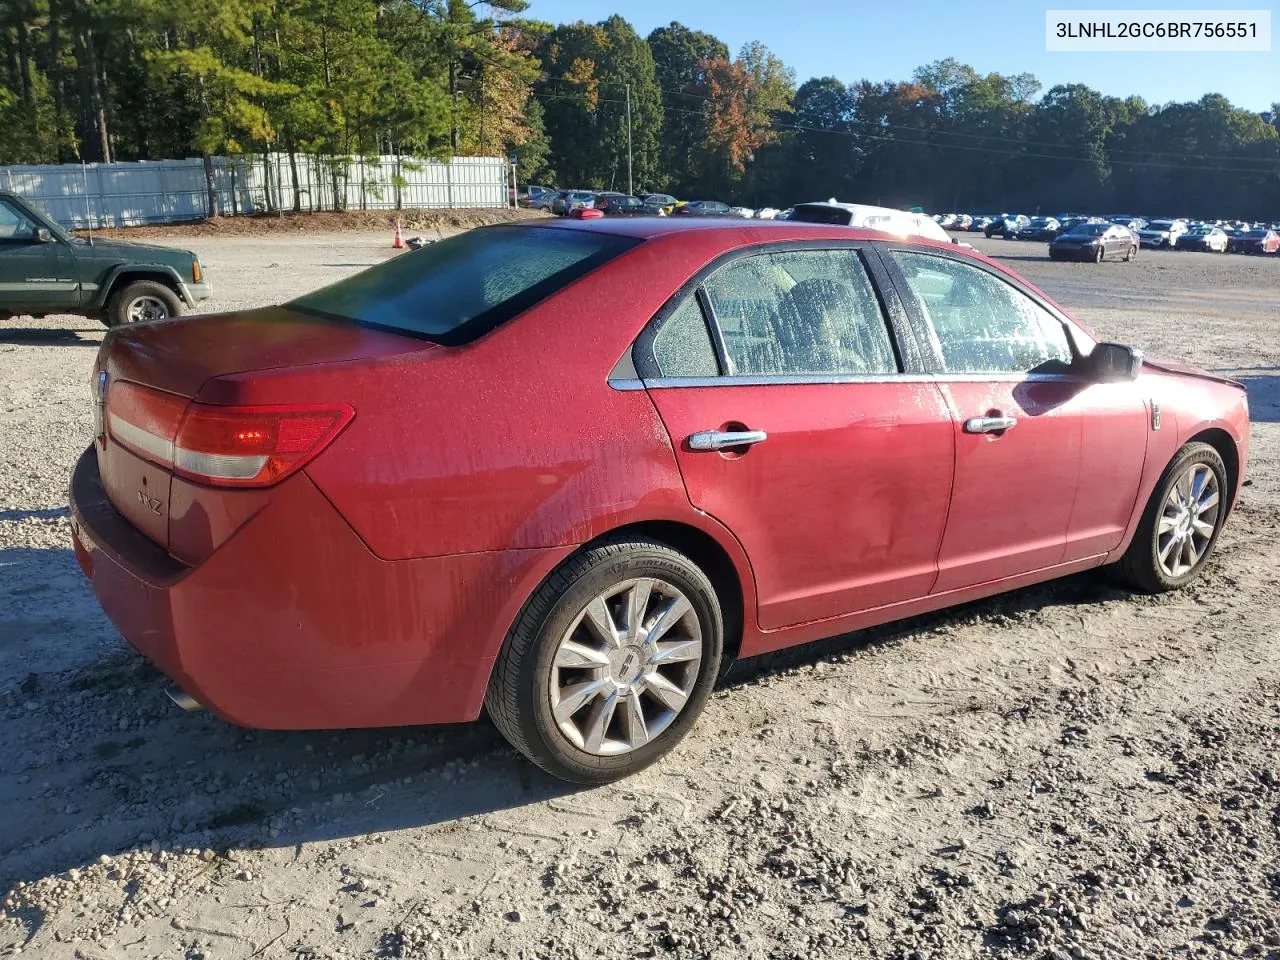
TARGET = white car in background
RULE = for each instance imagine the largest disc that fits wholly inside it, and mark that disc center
(1162, 233)
(902, 223)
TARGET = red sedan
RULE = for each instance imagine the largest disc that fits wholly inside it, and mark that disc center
(568, 471)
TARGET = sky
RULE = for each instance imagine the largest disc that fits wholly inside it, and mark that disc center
(877, 40)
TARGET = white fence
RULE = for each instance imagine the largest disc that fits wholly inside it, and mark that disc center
(171, 191)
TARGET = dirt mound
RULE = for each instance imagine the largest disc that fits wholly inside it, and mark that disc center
(323, 222)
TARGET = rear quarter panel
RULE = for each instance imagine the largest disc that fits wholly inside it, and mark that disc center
(515, 441)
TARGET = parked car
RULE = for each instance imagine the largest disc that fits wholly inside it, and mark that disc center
(962, 222)
(1131, 223)
(539, 198)
(567, 200)
(44, 270)
(659, 202)
(1205, 238)
(979, 223)
(1261, 240)
(767, 213)
(702, 208)
(1068, 223)
(1161, 233)
(903, 223)
(746, 213)
(304, 554)
(619, 205)
(1096, 242)
(1041, 229)
(1006, 225)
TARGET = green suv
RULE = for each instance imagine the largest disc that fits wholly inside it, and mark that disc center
(43, 270)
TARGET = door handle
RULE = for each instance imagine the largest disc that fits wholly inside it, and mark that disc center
(989, 424)
(722, 440)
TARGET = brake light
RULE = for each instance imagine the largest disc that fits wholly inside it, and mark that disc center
(223, 446)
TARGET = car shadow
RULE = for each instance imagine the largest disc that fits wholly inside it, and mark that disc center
(50, 335)
(1081, 588)
(45, 513)
(101, 762)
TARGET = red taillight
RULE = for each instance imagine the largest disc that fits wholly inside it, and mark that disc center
(245, 446)
(253, 446)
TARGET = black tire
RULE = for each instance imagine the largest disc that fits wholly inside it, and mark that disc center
(122, 302)
(1140, 568)
(1130, 254)
(518, 698)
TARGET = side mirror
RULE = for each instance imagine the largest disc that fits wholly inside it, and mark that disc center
(1113, 363)
(43, 235)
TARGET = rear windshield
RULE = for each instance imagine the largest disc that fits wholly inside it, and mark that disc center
(455, 290)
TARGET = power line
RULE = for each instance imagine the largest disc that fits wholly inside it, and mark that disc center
(857, 135)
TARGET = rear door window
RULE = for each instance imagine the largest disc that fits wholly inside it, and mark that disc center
(802, 312)
(458, 289)
(682, 346)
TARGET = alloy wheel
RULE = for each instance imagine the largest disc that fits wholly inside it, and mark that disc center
(626, 666)
(1188, 520)
(145, 309)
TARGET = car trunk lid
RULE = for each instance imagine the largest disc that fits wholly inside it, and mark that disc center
(162, 415)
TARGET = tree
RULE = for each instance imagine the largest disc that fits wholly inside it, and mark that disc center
(589, 68)
(678, 56)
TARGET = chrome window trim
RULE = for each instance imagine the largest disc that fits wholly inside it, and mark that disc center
(808, 379)
(626, 383)
(670, 383)
(1005, 376)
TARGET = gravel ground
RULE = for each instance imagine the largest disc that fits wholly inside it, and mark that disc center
(1068, 771)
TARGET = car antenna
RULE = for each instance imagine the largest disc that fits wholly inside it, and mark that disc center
(88, 217)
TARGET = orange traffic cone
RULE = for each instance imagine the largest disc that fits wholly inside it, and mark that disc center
(398, 242)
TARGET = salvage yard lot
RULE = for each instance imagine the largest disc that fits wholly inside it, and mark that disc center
(1068, 768)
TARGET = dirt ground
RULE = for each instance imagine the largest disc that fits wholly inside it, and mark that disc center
(1068, 771)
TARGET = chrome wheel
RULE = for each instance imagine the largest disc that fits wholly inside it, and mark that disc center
(626, 666)
(146, 308)
(1188, 520)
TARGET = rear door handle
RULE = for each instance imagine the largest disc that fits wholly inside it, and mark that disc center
(723, 440)
(989, 424)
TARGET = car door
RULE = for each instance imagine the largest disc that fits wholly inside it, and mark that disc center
(1120, 241)
(799, 428)
(35, 275)
(1110, 241)
(1003, 363)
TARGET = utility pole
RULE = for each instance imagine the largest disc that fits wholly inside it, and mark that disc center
(630, 186)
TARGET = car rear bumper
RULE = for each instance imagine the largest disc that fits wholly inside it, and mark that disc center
(294, 624)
